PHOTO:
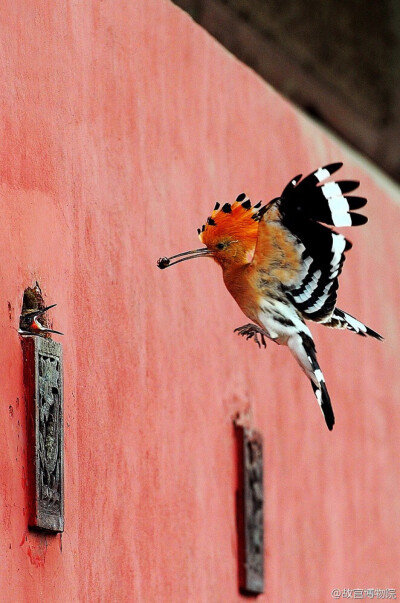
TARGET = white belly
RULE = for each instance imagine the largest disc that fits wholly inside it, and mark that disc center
(280, 320)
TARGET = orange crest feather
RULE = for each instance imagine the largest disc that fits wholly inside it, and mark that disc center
(238, 221)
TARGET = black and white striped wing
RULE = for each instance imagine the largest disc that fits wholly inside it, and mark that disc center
(303, 205)
(327, 203)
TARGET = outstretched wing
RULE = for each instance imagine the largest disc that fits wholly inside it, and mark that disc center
(328, 203)
(301, 212)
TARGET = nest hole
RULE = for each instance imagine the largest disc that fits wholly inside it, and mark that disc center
(33, 301)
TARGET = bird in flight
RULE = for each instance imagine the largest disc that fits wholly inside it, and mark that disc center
(281, 262)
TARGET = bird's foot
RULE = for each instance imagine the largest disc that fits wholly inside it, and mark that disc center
(250, 330)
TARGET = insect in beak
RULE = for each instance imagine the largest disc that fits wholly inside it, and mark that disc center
(187, 255)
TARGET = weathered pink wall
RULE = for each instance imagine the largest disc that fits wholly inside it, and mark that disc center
(121, 124)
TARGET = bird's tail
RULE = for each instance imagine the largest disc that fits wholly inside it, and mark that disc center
(303, 349)
(342, 320)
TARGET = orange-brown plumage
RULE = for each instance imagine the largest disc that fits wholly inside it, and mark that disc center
(236, 221)
(257, 254)
(234, 225)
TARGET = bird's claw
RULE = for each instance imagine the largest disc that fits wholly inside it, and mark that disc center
(250, 331)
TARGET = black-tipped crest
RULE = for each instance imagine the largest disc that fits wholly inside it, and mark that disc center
(234, 220)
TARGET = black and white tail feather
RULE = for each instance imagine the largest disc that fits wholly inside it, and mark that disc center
(306, 206)
(318, 381)
(343, 320)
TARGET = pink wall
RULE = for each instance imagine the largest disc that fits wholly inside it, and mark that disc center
(121, 124)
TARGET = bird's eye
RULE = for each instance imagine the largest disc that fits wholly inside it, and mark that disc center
(220, 245)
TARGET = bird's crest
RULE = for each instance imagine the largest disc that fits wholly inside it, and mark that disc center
(238, 220)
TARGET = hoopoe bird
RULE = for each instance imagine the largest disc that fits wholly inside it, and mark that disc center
(281, 262)
(29, 323)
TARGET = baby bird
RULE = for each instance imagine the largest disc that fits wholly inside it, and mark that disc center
(29, 323)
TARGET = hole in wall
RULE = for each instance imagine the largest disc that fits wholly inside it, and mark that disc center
(32, 301)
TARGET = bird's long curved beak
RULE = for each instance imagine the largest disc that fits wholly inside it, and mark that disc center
(187, 255)
(53, 331)
(39, 331)
(39, 312)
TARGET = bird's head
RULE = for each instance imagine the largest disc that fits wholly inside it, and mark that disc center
(29, 323)
(229, 235)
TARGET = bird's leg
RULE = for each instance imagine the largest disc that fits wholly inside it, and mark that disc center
(250, 330)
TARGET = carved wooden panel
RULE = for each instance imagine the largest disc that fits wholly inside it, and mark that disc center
(43, 377)
(250, 511)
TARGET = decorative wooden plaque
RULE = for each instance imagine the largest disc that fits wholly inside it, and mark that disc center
(43, 376)
(250, 511)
